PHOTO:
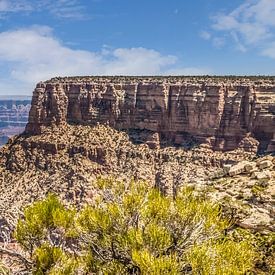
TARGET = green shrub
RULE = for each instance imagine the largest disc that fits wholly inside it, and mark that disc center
(3, 269)
(257, 190)
(225, 257)
(131, 229)
(40, 220)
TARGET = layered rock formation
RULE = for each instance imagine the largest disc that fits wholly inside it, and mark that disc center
(67, 143)
(14, 112)
(223, 113)
(13, 117)
(174, 132)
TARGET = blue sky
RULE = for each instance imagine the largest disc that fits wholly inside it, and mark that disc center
(40, 39)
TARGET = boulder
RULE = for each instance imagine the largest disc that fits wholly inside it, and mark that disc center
(226, 168)
(237, 169)
(250, 167)
(262, 176)
(265, 164)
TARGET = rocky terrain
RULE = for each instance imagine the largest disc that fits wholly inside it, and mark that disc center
(67, 160)
(13, 117)
(200, 132)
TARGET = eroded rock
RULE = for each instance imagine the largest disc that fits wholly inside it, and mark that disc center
(223, 114)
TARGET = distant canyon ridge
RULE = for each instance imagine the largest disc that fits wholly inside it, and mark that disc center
(221, 113)
(14, 113)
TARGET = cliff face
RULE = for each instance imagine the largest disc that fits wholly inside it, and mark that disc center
(223, 113)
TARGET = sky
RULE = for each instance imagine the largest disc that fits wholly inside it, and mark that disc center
(41, 39)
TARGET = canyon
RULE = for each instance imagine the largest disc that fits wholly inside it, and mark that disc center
(212, 134)
(14, 113)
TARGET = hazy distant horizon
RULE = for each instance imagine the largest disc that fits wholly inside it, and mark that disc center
(15, 97)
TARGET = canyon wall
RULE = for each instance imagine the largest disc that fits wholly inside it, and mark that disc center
(14, 114)
(223, 113)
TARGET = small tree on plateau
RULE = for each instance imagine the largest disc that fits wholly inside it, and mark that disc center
(131, 229)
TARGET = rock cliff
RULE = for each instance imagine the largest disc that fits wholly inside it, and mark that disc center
(223, 113)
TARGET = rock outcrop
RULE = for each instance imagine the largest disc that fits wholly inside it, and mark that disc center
(223, 113)
(67, 160)
(248, 187)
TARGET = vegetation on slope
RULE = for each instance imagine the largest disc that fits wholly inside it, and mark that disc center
(131, 229)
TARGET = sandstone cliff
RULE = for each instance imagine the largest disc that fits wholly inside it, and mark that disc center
(223, 113)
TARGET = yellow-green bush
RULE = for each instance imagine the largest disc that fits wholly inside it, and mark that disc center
(224, 257)
(131, 229)
(3, 269)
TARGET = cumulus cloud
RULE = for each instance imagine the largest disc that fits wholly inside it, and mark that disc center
(34, 54)
(251, 25)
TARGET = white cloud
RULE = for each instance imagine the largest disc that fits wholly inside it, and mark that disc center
(205, 35)
(239, 46)
(59, 8)
(251, 25)
(14, 6)
(139, 61)
(34, 54)
(269, 50)
(63, 8)
(218, 42)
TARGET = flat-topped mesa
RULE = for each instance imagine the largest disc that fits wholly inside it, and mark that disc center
(224, 113)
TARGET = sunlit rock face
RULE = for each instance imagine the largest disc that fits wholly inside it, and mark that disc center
(222, 113)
